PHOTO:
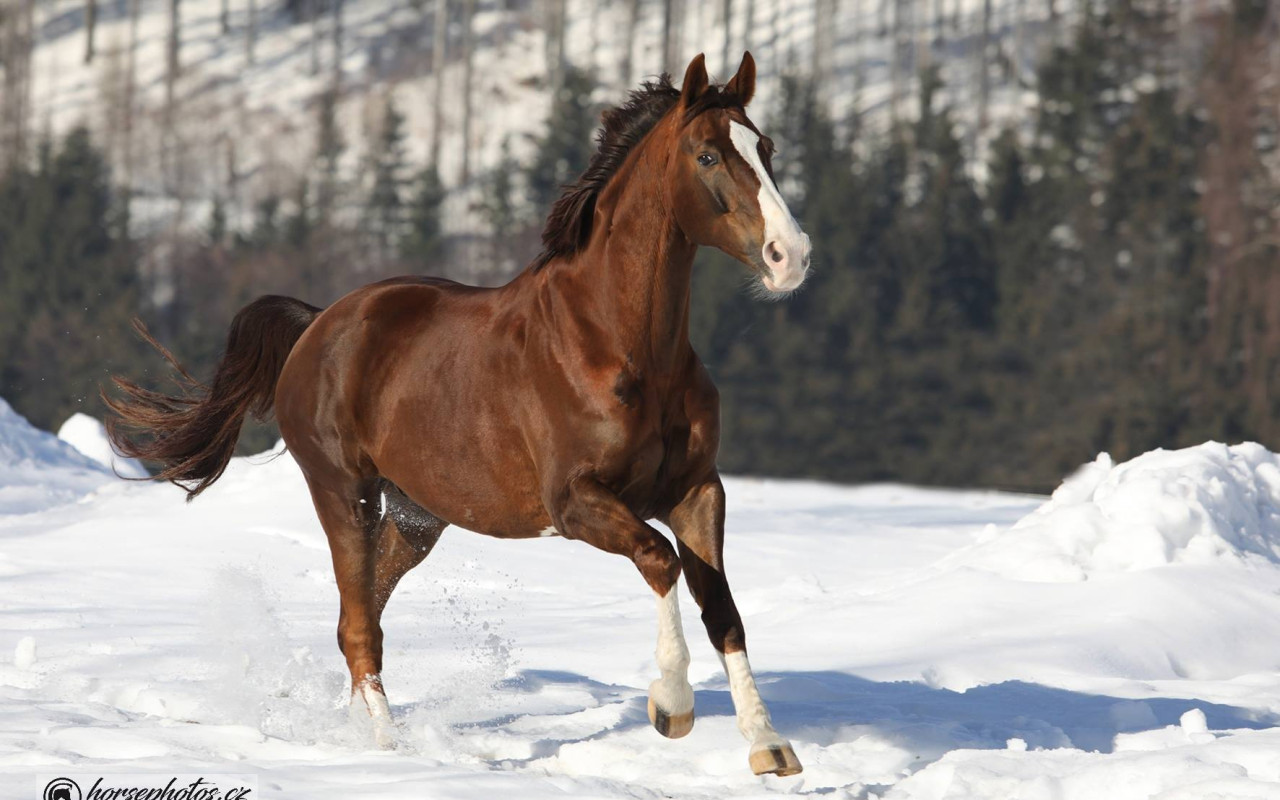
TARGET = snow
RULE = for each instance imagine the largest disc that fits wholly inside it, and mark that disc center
(89, 436)
(911, 643)
(1201, 505)
(37, 470)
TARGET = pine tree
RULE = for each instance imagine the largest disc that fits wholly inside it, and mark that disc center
(329, 149)
(69, 286)
(501, 207)
(424, 241)
(385, 206)
(562, 152)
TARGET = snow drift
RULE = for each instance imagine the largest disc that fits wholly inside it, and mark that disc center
(1208, 504)
(37, 471)
(89, 437)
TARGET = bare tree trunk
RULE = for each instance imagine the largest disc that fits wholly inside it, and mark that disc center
(858, 78)
(130, 93)
(439, 41)
(555, 25)
(172, 64)
(629, 45)
(984, 75)
(749, 21)
(939, 21)
(895, 62)
(468, 67)
(90, 27)
(18, 45)
(825, 15)
(726, 21)
(921, 40)
(596, 9)
(672, 35)
(313, 10)
(1019, 14)
(224, 17)
(337, 45)
(251, 31)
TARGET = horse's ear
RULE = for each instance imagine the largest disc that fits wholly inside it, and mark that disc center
(695, 80)
(743, 84)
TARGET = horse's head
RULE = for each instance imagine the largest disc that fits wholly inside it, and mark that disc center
(721, 176)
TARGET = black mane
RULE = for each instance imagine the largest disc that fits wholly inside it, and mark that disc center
(568, 227)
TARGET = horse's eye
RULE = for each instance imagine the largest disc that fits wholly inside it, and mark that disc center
(706, 159)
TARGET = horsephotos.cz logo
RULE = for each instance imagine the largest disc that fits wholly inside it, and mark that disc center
(150, 787)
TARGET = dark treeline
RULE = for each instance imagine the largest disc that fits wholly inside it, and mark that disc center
(1110, 286)
(1099, 276)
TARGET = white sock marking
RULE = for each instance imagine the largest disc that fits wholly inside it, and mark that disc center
(672, 692)
(753, 717)
(379, 711)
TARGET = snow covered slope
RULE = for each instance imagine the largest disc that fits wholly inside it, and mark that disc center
(245, 106)
(89, 436)
(37, 471)
(912, 643)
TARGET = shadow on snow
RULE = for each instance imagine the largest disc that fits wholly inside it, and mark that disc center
(824, 708)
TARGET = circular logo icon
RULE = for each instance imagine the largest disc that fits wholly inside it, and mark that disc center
(62, 789)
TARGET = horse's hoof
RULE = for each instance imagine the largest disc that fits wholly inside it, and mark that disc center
(672, 726)
(775, 759)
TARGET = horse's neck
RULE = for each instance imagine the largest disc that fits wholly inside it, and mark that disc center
(640, 267)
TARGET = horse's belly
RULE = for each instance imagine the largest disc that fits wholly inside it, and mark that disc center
(470, 491)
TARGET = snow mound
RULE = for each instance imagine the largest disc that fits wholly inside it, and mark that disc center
(1207, 504)
(89, 436)
(37, 470)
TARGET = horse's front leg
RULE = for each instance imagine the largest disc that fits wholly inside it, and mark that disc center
(596, 516)
(698, 523)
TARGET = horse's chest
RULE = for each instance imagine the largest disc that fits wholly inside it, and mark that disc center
(645, 439)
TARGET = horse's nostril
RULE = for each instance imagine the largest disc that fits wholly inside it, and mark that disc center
(775, 253)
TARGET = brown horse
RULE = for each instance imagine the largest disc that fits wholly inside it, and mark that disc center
(567, 403)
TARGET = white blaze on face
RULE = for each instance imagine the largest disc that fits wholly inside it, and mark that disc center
(786, 247)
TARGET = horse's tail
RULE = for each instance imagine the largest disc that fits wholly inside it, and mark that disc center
(193, 434)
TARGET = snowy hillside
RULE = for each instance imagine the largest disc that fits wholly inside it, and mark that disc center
(244, 119)
(37, 470)
(89, 436)
(1119, 641)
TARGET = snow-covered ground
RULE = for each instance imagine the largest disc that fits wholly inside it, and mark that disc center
(1120, 641)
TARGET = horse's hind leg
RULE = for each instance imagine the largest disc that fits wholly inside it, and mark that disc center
(352, 529)
(406, 534)
(370, 555)
(594, 515)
